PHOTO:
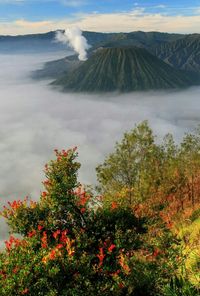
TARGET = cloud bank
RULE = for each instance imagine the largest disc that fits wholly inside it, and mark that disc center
(34, 120)
(137, 19)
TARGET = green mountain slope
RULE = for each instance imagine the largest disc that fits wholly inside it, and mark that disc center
(123, 69)
(182, 54)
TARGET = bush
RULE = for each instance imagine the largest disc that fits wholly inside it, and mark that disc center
(70, 248)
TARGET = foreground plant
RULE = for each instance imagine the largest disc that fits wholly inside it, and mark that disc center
(71, 244)
(67, 247)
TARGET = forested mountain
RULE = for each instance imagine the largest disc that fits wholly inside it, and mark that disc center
(123, 69)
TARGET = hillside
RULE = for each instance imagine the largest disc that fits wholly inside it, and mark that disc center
(182, 54)
(57, 68)
(123, 69)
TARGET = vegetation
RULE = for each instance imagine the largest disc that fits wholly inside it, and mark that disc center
(158, 180)
(138, 236)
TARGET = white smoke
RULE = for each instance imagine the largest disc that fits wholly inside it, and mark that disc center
(74, 38)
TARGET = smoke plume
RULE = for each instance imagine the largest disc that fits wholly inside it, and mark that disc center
(74, 38)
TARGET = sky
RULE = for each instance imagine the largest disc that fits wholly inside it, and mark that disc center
(33, 16)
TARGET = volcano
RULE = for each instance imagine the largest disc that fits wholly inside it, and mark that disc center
(123, 69)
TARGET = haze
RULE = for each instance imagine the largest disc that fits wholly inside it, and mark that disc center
(35, 119)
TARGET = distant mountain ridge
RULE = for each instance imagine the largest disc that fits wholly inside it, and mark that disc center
(46, 41)
(177, 50)
(123, 69)
(182, 54)
(174, 62)
(30, 43)
(180, 51)
(140, 39)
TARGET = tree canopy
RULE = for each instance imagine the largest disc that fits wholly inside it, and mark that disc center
(142, 172)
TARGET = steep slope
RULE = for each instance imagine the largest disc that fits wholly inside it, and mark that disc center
(55, 69)
(182, 54)
(123, 69)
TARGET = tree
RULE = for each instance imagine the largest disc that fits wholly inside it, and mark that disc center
(190, 157)
(69, 248)
(158, 180)
(132, 173)
(141, 172)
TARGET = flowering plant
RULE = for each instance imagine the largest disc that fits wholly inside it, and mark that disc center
(68, 247)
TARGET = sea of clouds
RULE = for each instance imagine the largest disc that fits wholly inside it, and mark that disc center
(35, 119)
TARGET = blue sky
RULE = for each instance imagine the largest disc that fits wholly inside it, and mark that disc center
(40, 13)
(35, 10)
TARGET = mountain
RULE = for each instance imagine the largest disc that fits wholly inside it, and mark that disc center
(46, 41)
(140, 39)
(182, 54)
(123, 69)
(57, 68)
(157, 43)
(30, 43)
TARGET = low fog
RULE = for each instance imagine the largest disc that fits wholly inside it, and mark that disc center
(35, 119)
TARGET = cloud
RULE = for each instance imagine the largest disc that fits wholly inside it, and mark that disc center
(197, 10)
(32, 25)
(140, 20)
(73, 3)
(34, 119)
(137, 19)
(161, 6)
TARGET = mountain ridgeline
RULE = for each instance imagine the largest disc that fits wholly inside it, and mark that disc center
(182, 54)
(125, 62)
(123, 69)
(46, 41)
